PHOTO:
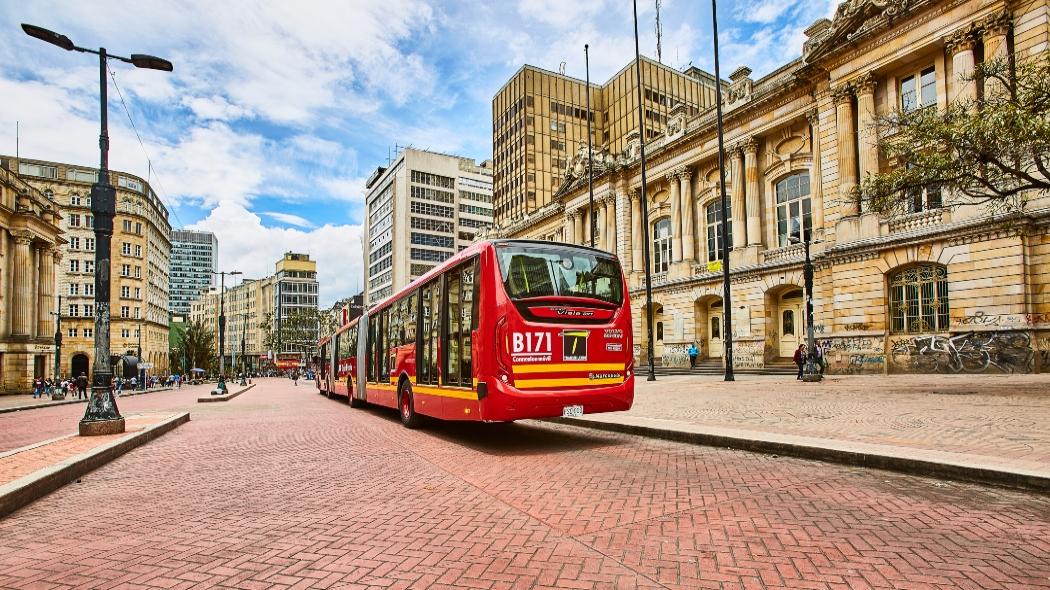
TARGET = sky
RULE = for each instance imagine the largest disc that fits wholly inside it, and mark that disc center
(276, 112)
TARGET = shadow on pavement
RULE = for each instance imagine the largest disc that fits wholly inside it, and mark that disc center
(500, 438)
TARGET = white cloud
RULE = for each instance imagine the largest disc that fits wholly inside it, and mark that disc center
(763, 11)
(245, 244)
(289, 219)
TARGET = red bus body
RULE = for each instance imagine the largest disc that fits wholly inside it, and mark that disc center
(505, 358)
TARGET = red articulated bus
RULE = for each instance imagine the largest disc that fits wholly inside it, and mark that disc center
(502, 331)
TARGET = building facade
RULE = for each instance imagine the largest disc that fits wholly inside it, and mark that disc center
(141, 260)
(421, 209)
(540, 123)
(256, 308)
(194, 260)
(947, 287)
(31, 247)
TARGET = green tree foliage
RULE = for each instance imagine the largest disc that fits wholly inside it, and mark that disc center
(994, 151)
(299, 329)
(198, 347)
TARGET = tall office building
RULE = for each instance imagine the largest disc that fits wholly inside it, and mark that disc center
(539, 121)
(141, 259)
(421, 209)
(194, 260)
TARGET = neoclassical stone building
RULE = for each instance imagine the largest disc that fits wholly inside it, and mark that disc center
(943, 288)
(30, 249)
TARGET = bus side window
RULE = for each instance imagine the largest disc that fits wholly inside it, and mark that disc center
(453, 283)
(470, 319)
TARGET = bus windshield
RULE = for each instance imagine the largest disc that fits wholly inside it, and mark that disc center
(533, 270)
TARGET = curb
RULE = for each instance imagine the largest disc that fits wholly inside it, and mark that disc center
(74, 401)
(913, 466)
(25, 490)
(222, 398)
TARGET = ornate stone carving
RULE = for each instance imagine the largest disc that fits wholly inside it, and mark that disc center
(996, 24)
(635, 194)
(23, 237)
(963, 40)
(853, 18)
(865, 84)
(842, 93)
(600, 163)
(750, 146)
(813, 116)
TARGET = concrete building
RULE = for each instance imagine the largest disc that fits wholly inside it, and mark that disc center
(30, 250)
(540, 122)
(194, 260)
(945, 288)
(141, 259)
(419, 210)
(256, 307)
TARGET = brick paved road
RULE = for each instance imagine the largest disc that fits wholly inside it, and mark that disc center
(281, 488)
(998, 416)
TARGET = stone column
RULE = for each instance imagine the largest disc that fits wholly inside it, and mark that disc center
(867, 134)
(23, 280)
(627, 260)
(843, 96)
(738, 206)
(636, 230)
(993, 33)
(610, 223)
(570, 227)
(685, 178)
(752, 193)
(816, 177)
(577, 226)
(960, 46)
(676, 218)
(45, 291)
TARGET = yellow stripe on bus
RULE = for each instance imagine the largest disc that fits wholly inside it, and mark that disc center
(567, 382)
(567, 367)
(458, 393)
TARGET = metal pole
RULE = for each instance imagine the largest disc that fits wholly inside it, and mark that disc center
(645, 204)
(811, 373)
(590, 154)
(221, 385)
(280, 297)
(727, 299)
(102, 415)
(58, 340)
(142, 372)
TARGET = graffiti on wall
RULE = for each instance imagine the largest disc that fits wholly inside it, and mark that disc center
(864, 363)
(979, 318)
(1042, 349)
(748, 354)
(973, 352)
(850, 344)
(675, 355)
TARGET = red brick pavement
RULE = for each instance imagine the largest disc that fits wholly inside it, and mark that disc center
(284, 489)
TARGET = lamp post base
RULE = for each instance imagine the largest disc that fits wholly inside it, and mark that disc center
(812, 378)
(100, 427)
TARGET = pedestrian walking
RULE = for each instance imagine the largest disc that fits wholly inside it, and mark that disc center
(295, 378)
(38, 385)
(693, 353)
(821, 362)
(800, 359)
(82, 386)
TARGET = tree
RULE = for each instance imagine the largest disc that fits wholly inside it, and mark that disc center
(299, 329)
(993, 151)
(198, 342)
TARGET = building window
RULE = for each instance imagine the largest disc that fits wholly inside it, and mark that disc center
(125, 248)
(919, 90)
(127, 226)
(74, 243)
(72, 333)
(74, 266)
(138, 251)
(74, 289)
(89, 310)
(74, 220)
(125, 291)
(662, 245)
(919, 300)
(793, 208)
(125, 311)
(89, 266)
(89, 332)
(74, 199)
(73, 310)
(89, 288)
(89, 244)
(125, 270)
(714, 229)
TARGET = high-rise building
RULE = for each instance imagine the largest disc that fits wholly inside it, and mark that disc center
(257, 308)
(194, 260)
(141, 259)
(539, 121)
(421, 209)
(30, 249)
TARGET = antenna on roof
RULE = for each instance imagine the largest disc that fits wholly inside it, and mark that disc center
(561, 68)
(659, 33)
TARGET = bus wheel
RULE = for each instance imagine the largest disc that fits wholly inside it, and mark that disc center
(409, 417)
(354, 402)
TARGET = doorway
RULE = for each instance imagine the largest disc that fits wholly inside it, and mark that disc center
(792, 327)
(79, 365)
(714, 331)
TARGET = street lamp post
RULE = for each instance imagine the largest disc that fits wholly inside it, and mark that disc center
(810, 372)
(727, 295)
(651, 376)
(56, 391)
(101, 415)
(244, 358)
(220, 387)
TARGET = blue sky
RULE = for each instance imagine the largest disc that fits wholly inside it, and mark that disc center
(277, 111)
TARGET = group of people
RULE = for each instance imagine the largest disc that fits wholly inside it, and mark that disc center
(48, 385)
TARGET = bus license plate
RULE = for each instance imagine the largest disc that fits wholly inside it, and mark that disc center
(572, 411)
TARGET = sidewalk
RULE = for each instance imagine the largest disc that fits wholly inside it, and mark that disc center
(17, 403)
(991, 428)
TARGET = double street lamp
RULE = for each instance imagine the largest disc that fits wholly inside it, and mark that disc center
(102, 415)
(809, 371)
(220, 387)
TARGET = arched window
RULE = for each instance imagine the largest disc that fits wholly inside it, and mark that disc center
(919, 299)
(714, 229)
(662, 245)
(793, 208)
